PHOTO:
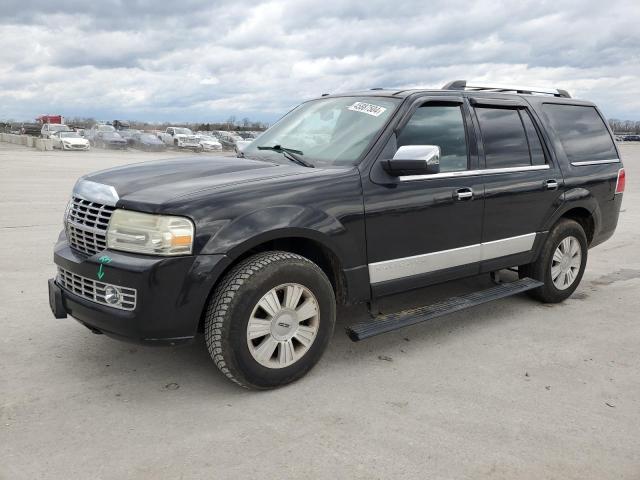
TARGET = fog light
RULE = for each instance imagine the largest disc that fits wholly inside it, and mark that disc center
(112, 295)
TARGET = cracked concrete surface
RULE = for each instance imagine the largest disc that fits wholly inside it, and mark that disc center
(512, 389)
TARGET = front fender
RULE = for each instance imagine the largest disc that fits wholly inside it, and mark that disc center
(281, 221)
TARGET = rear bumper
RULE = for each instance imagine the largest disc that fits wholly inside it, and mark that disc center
(171, 294)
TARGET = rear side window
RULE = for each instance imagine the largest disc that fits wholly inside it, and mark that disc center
(582, 132)
(505, 141)
(442, 125)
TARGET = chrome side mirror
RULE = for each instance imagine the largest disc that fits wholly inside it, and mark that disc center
(414, 160)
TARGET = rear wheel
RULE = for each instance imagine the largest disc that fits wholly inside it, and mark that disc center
(561, 262)
(270, 319)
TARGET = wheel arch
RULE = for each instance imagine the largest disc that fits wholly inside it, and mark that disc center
(585, 218)
(301, 243)
(580, 205)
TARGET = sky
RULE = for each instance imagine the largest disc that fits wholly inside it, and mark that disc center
(205, 60)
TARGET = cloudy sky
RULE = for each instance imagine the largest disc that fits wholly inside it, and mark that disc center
(191, 60)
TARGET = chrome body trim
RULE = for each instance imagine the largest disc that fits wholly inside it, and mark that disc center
(507, 246)
(455, 257)
(86, 224)
(471, 173)
(95, 291)
(595, 162)
(96, 192)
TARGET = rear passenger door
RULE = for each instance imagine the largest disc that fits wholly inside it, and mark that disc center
(522, 185)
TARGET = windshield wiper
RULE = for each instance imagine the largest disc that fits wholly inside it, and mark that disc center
(291, 154)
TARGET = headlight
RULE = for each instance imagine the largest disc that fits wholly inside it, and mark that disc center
(151, 234)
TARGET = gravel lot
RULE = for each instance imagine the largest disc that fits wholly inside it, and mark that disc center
(513, 389)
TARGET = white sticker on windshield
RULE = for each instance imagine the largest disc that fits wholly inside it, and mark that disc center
(368, 108)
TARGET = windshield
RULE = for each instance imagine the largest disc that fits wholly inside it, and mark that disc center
(69, 135)
(58, 128)
(182, 131)
(332, 131)
(106, 128)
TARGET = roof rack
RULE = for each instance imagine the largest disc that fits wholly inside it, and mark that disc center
(486, 87)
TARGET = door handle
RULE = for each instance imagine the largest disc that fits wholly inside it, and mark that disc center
(464, 193)
(551, 184)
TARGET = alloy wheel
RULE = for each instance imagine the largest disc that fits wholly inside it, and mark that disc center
(283, 325)
(566, 261)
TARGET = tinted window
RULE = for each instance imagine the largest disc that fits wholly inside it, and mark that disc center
(505, 143)
(582, 132)
(535, 146)
(440, 125)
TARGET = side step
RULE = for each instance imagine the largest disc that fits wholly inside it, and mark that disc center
(394, 321)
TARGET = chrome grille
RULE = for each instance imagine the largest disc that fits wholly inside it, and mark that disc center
(95, 291)
(87, 224)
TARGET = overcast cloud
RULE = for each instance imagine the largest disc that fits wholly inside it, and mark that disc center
(189, 60)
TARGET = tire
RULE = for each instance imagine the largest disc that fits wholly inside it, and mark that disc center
(571, 233)
(238, 298)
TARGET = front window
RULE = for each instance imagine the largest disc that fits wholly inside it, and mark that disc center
(441, 125)
(333, 131)
(69, 135)
(59, 128)
(182, 131)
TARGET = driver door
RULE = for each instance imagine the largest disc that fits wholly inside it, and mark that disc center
(424, 229)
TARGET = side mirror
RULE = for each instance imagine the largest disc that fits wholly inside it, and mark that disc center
(414, 160)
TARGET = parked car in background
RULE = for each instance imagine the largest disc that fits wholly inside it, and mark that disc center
(94, 135)
(69, 141)
(209, 143)
(111, 140)
(121, 125)
(50, 128)
(229, 140)
(33, 129)
(632, 138)
(180, 137)
(128, 135)
(148, 142)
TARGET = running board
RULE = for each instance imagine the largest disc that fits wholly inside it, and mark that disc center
(394, 321)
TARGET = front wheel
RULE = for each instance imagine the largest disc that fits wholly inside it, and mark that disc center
(561, 262)
(270, 319)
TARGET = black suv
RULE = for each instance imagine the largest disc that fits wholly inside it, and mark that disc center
(346, 199)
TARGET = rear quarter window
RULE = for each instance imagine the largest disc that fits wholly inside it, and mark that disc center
(582, 132)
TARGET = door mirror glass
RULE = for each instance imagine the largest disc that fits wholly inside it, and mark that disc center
(414, 160)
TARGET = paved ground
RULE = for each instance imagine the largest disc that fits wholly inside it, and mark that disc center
(514, 389)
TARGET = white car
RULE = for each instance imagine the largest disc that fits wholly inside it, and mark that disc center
(180, 137)
(49, 129)
(69, 141)
(209, 143)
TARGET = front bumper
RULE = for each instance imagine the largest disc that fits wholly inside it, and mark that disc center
(75, 147)
(171, 293)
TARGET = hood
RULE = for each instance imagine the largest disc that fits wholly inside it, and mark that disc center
(148, 185)
(75, 141)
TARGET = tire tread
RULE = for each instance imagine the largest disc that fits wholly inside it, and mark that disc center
(223, 295)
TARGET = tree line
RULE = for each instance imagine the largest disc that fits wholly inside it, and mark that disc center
(625, 126)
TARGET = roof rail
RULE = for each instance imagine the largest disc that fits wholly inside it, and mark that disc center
(493, 87)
